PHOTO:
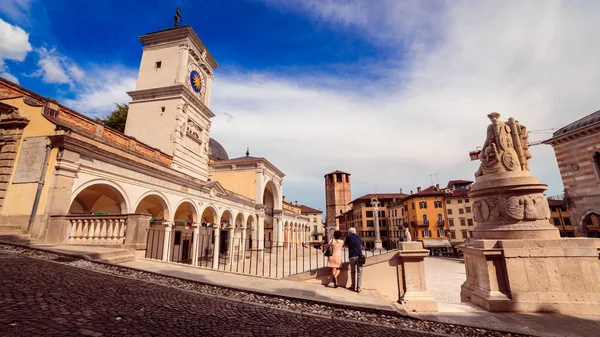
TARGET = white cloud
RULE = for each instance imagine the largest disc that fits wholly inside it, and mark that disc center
(14, 46)
(10, 77)
(57, 68)
(536, 61)
(106, 86)
(17, 10)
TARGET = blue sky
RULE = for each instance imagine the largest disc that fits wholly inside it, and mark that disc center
(390, 91)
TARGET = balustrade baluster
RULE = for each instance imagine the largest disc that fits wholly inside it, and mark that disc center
(104, 228)
(73, 231)
(122, 229)
(86, 229)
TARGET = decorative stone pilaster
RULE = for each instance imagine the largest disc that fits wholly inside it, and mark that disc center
(167, 242)
(260, 232)
(411, 278)
(195, 245)
(216, 247)
(230, 241)
(11, 131)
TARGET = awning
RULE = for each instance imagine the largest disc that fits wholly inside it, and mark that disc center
(436, 243)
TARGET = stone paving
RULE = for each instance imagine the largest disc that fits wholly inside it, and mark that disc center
(443, 277)
(42, 298)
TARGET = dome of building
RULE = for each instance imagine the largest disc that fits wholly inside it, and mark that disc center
(216, 151)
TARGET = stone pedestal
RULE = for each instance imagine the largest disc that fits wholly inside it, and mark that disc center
(535, 275)
(411, 278)
(137, 231)
(518, 262)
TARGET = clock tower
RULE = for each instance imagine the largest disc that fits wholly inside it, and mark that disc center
(170, 107)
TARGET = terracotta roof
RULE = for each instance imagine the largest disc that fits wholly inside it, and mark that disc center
(431, 190)
(336, 171)
(458, 182)
(305, 209)
(553, 202)
(586, 121)
(459, 193)
(381, 196)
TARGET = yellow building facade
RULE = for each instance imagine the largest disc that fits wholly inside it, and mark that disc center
(560, 216)
(425, 214)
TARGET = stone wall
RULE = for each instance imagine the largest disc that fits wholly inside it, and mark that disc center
(580, 177)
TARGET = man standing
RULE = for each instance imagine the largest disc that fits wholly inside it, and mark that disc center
(354, 244)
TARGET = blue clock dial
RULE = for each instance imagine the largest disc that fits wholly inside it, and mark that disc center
(196, 81)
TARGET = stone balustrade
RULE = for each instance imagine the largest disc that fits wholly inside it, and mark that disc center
(97, 229)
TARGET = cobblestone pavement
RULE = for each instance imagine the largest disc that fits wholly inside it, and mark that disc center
(444, 277)
(41, 298)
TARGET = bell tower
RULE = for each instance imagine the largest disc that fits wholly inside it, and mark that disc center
(338, 196)
(170, 107)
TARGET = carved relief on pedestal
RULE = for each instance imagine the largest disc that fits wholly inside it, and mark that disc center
(505, 148)
(529, 207)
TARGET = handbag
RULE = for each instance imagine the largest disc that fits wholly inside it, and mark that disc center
(328, 251)
(362, 259)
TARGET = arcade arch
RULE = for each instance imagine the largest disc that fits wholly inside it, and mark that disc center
(99, 197)
(185, 213)
(154, 204)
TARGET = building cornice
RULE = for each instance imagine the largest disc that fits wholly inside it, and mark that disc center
(174, 90)
(178, 34)
(226, 165)
(589, 130)
(68, 142)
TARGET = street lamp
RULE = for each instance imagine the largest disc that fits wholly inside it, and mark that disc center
(375, 204)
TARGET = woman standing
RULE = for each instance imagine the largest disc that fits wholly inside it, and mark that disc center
(335, 260)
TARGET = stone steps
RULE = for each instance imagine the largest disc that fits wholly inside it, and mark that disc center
(114, 256)
(17, 238)
(11, 229)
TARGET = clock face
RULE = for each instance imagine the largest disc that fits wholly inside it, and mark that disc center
(196, 81)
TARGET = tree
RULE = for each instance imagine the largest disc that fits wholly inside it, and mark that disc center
(117, 118)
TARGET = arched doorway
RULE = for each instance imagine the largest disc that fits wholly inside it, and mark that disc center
(250, 231)
(99, 199)
(591, 224)
(225, 223)
(209, 223)
(185, 216)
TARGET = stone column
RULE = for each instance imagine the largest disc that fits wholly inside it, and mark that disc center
(260, 232)
(279, 223)
(167, 241)
(230, 245)
(411, 278)
(375, 204)
(137, 231)
(196, 244)
(216, 246)
(243, 244)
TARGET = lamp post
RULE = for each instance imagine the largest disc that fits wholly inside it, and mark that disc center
(375, 204)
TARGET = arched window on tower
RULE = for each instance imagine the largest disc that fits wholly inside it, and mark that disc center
(596, 160)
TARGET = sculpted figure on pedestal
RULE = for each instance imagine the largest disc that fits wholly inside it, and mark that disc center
(505, 147)
(407, 236)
